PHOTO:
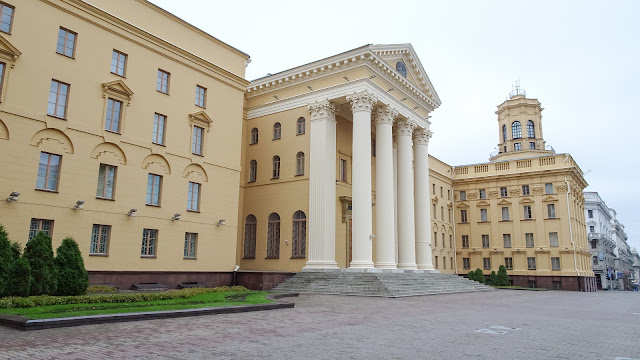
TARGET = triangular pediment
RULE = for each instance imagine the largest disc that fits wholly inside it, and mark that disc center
(504, 202)
(7, 50)
(550, 199)
(482, 203)
(526, 200)
(462, 205)
(592, 223)
(201, 118)
(118, 88)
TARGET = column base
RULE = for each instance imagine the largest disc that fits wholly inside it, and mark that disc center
(361, 264)
(408, 266)
(386, 265)
(320, 266)
(425, 267)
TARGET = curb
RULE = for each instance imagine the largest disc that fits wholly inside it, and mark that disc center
(25, 324)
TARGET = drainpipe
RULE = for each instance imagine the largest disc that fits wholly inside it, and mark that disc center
(235, 273)
(575, 261)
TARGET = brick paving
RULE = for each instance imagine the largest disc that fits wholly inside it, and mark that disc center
(489, 325)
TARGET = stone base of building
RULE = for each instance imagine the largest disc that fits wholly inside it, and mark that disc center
(261, 280)
(569, 283)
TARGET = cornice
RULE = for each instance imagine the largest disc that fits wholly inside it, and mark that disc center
(514, 175)
(85, 9)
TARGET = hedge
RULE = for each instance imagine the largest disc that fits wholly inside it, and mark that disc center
(46, 300)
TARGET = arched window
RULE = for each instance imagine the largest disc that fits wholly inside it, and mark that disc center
(253, 171)
(250, 226)
(300, 163)
(504, 133)
(254, 136)
(276, 167)
(300, 126)
(516, 131)
(531, 130)
(277, 131)
(299, 244)
(273, 237)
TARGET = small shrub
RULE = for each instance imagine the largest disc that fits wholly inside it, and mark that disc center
(503, 278)
(16, 250)
(472, 275)
(493, 278)
(6, 260)
(479, 276)
(39, 254)
(73, 278)
(100, 289)
(19, 282)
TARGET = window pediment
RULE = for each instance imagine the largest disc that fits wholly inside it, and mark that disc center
(482, 203)
(8, 51)
(117, 89)
(201, 119)
(462, 205)
(526, 200)
(504, 202)
(550, 199)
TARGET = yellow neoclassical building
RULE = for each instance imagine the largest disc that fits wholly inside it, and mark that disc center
(136, 133)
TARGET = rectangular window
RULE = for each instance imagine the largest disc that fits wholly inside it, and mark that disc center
(100, 239)
(463, 216)
(531, 263)
(201, 96)
(556, 285)
(163, 82)
(193, 198)
(466, 264)
(548, 188)
(463, 195)
(442, 212)
(555, 263)
(40, 225)
(7, 17)
(503, 192)
(485, 241)
(190, 243)
(2, 66)
(196, 141)
(373, 147)
(114, 109)
(443, 244)
(527, 212)
(66, 42)
(449, 211)
(551, 211)
(553, 239)
(118, 62)
(517, 147)
(449, 194)
(451, 244)
(592, 229)
(435, 214)
(343, 170)
(58, 94)
(594, 244)
(159, 124)
(483, 215)
(529, 239)
(465, 241)
(154, 186)
(149, 243)
(532, 145)
(435, 238)
(483, 194)
(106, 181)
(441, 192)
(451, 262)
(508, 263)
(505, 214)
(444, 262)
(436, 264)
(590, 213)
(433, 190)
(533, 284)
(486, 263)
(48, 172)
(525, 190)
(506, 239)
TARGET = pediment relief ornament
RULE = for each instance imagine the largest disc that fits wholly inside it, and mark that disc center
(562, 189)
(472, 196)
(514, 192)
(504, 202)
(201, 119)
(462, 205)
(493, 194)
(8, 51)
(537, 191)
(482, 203)
(117, 89)
(526, 200)
(550, 199)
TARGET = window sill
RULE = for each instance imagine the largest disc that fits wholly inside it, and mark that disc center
(272, 257)
(194, 211)
(118, 75)
(67, 56)
(201, 107)
(148, 257)
(153, 205)
(49, 191)
(298, 257)
(275, 178)
(161, 92)
(276, 139)
(299, 175)
(505, 221)
(300, 134)
(197, 154)
(104, 198)
(189, 258)
(251, 181)
(255, 143)
(57, 117)
(159, 144)
(528, 219)
(249, 258)
(463, 222)
(483, 222)
(113, 132)
(553, 218)
(99, 255)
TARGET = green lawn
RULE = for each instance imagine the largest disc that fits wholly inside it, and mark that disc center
(212, 299)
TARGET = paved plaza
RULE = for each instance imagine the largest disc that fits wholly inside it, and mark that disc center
(490, 325)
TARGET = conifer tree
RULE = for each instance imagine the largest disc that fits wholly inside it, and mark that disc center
(493, 279)
(503, 278)
(39, 254)
(6, 260)
(73, 278)
(479, 276)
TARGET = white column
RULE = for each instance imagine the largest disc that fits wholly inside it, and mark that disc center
(422, 199)
(322, 187)
(385, 209)
(361, 105)
(395, 194)
(406, 225)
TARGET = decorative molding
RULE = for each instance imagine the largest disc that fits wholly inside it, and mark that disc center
(117, 89)
(526, 200)
(537, 191)
(322, 110)
(156, 163)
(196, 171)
(434, 199)
(504, 202)
(421, 136)
(493, 194)
(462, 205)
(562, 189)
(8, 51)
(514, 192)
(362, 101)
(472, 196)
(201, 119)
(385, 115)
(52, 140)
(483, 203)
(404, 127)
(109, 153)
(550, 199)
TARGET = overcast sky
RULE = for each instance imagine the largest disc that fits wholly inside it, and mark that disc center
(581, 59)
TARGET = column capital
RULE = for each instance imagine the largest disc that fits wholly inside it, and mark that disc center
(421, 136)
(385, 115)
(405, 127)
(362, 101)
(321, 110)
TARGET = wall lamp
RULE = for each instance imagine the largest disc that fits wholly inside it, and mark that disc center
(176, 216)
(222, 222)
(78, 205)
(13, 197)
(132, 212)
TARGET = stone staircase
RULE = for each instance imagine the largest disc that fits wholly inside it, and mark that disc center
(384, 284)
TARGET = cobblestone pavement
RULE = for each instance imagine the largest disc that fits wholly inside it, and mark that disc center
(492, 325)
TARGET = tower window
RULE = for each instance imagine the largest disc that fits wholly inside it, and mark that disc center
(531, 132)
(517, 147)
(532, 145)
(516, 130)
(504, 133)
